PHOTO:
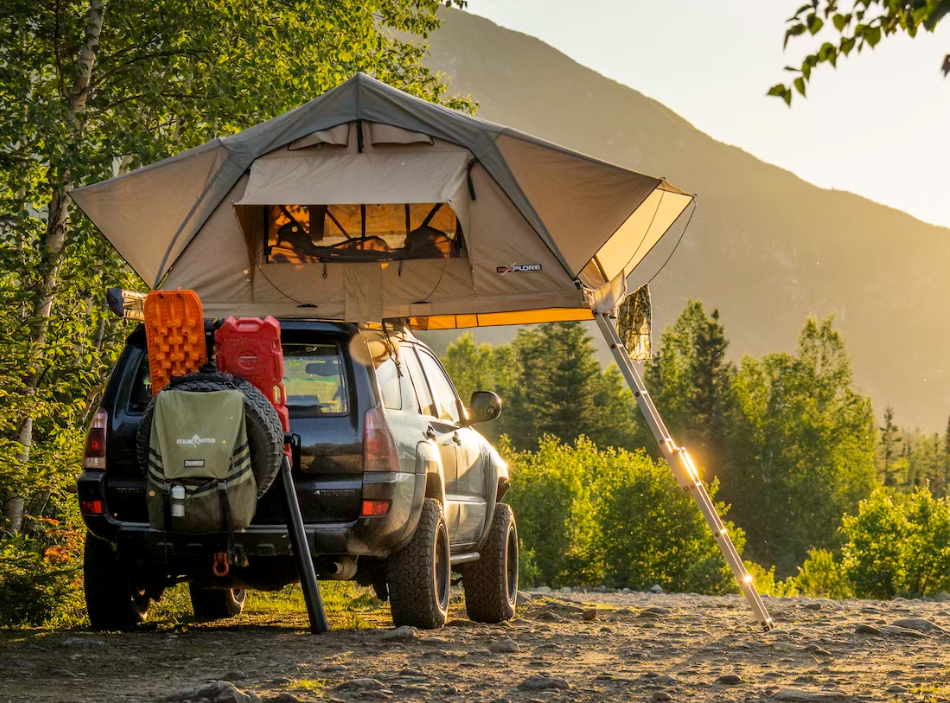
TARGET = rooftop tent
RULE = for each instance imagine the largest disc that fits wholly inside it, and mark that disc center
(523, 225)
(367, 204)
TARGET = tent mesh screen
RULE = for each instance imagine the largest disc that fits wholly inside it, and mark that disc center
(380, 232)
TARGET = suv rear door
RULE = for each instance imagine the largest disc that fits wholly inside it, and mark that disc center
(441, 428)
(467, 490)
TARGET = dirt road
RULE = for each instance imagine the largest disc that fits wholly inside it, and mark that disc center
(634, 647)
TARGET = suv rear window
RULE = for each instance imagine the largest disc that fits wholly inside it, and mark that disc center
(315, 378)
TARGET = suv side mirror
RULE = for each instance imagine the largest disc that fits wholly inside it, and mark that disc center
(485, 406)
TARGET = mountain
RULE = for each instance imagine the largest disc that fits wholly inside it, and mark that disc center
(764, 247)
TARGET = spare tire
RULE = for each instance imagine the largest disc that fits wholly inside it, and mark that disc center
(265, 436)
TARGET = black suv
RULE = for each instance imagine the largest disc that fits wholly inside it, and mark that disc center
(396, 487)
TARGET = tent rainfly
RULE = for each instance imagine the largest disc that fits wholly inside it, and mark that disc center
(367, 204)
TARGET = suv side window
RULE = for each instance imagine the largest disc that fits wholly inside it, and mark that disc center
(445, 397)
(387, 375)
(426, 403)
(141, 392)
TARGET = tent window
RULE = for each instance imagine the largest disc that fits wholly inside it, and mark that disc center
(388, 232)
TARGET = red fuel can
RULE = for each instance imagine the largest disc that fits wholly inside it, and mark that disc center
(249, 347)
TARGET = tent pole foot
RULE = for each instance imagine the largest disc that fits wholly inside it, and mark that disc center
(684, 471)
(298, 541)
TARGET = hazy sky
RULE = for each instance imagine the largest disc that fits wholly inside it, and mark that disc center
(878, 126)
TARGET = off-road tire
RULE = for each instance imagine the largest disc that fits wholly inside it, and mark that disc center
(491, 583)
(264, 432)
(113, 601)
(216, 603)
(419, 576)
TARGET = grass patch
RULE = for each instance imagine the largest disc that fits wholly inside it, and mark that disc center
(314, 685)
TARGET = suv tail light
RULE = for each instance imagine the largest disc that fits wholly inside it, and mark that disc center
(95, 455)
(379, 449)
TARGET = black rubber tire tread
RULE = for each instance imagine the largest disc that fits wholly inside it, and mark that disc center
(486, 581)
(413, 598)
(264, 432)
(110, 601)
(216, 603)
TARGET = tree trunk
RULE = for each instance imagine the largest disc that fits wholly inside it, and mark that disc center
(55, 239)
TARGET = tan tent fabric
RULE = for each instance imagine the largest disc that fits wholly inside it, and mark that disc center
(545, 232)
(143, 213)
(337, 136)
(435, 177)
(387, 134)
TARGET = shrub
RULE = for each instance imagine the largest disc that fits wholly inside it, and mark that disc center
(898, 545)
(36, 585)
(552, 497)
(821, 576)
(588, 516)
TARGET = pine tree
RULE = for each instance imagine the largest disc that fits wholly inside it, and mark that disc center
(691, 382)
(888, 444)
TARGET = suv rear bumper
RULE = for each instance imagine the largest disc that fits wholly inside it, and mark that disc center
(369, 536)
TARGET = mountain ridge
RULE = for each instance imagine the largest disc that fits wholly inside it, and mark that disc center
(765, 247)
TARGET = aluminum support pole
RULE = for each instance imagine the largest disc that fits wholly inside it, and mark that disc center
(683, 470)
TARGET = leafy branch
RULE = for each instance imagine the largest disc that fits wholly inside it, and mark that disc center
(865, 25)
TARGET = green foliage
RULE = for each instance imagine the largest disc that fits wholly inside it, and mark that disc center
(888, 448)
(821, 576)
(801, 448)
(765, 583)
(37, 585)
(865, 25)
(593, 516)
(898, 545)
(550, 383)
(691, 383)
(552, 494)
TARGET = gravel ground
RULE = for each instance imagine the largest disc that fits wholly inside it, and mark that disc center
(562, 647)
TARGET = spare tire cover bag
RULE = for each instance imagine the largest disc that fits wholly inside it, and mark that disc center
(265, 436)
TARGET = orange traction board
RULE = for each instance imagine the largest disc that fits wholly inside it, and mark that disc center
(175, 334)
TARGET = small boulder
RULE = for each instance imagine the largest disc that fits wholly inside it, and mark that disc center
(360, 685)
(400, 634)
(214, 692)
(283, 697)
(866, 630)
(543, 589)
(729, 680)
(661, 696)
(505, 646)
(657, 588)
(539, 682)
(919, 624)
(589, 614)
(899, 631)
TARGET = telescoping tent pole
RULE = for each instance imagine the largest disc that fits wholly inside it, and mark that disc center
(684, 470)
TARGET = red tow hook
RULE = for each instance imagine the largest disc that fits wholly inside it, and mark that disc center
(220, 566)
